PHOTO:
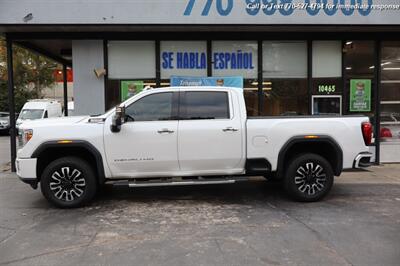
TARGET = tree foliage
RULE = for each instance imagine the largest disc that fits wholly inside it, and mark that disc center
(32, 73)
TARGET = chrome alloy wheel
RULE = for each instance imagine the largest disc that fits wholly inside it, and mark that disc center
(310, 178)
(67, 184)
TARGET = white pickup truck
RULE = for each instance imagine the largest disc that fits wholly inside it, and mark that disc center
(188, 136)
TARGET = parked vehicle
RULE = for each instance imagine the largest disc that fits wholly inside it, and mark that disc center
(38, 109)
(4, 122)
(188, 136)
(390, 127)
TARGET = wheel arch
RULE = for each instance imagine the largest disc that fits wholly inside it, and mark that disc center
(324, 146)
(52, 150)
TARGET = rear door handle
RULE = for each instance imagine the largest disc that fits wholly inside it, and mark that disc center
(230, 129)
(165, 130)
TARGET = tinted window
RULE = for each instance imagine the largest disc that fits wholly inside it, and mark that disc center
(151, 108)
(206, 105)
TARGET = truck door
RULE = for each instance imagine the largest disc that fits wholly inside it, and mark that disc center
(209, 133)
(147, 143)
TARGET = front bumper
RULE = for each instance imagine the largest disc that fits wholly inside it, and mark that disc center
(363, 160)
(26, 171)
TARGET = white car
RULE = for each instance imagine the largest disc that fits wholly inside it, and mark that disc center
(4, 122)
(188, 136)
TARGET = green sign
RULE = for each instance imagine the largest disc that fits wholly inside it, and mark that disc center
(360, 95)
(130, 88)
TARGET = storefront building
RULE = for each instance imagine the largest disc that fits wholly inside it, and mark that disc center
(306, 57)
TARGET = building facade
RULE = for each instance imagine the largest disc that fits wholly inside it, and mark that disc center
(300, 57)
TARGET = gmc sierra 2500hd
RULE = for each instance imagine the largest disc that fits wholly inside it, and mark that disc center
(188, 136)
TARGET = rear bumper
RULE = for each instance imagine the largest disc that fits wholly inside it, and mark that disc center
(26, 171)
(363, 160)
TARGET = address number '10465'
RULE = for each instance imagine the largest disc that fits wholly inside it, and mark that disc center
(285, 7)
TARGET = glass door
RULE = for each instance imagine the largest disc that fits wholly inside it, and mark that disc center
(326, 104)
(390, 102)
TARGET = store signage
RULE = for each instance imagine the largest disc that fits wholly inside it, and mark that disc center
(328, 89)
(204, 12)
(222, 60)
(285, 7)
(183, 60)
(326, 86)
(235, 82)
(130, 88)
(360, 95)
(235, 60)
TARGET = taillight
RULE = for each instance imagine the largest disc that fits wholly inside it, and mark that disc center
(386, 133)
(366, 129)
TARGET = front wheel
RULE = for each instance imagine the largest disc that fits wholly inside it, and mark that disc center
(309, 177)
(68, 182)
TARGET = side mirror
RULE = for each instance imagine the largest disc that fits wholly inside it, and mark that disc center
(118, 119)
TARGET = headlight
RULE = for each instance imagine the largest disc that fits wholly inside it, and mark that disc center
(24, 135)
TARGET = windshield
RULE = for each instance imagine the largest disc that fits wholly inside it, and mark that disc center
(31, 114)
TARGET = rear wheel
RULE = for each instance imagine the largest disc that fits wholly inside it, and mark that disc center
(68, 182)
(309, 177)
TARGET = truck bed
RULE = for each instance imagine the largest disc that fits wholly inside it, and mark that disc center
(267, 135)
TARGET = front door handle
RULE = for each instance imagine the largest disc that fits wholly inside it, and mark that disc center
(230, 129)
(165, 130)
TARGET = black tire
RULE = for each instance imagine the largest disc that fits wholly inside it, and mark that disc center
(68, 182)
(309, 177)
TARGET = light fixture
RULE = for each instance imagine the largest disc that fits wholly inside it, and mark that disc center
(386, 63)
(391, 68)
(348, 68)
(349, 43)
(154, 84)
(371, 67)
(254, 83)
(99, 72)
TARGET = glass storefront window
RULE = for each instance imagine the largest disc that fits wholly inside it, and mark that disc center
(285, 78)
(131, 67)
(250, 92)
(182, 58)
(238, 58)
(390, 96)
(359, 70)
(326, 77)
(234, 58)
(131, 59)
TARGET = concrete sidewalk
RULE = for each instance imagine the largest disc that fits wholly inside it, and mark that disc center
(4, 152)
(251, 223)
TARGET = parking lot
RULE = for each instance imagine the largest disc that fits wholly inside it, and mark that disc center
(251, 223)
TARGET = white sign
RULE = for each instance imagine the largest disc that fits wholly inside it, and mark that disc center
(261, 12)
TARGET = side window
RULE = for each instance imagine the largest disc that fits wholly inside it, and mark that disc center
(153, 107)
(205, 105)
(46, 115)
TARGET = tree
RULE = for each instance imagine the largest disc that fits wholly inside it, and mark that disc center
(32, 73)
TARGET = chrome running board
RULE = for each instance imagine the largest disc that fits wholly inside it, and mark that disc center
(174, 182)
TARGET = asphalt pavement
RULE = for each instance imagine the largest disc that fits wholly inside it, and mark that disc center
(251, 223)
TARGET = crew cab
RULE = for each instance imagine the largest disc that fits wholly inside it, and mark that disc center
(188, 136)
